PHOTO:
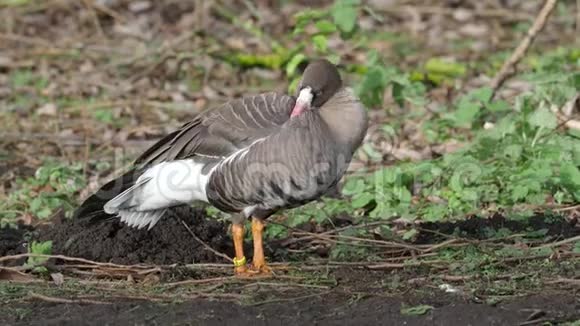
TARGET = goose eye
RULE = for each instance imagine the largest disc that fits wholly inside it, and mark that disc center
(316, 94)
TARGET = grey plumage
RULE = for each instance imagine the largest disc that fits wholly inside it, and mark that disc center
(219, 132)
(251, 156)
(297, 163)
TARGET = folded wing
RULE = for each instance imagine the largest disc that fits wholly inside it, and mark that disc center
(190, 151)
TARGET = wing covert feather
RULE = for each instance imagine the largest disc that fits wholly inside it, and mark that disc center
(221, 131)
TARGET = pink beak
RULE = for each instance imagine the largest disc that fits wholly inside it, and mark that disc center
(298, 109)
(303, 102)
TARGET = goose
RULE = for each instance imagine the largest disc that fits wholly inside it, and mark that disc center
(250, 157)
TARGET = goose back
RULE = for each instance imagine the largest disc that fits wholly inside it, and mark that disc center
(223, 130)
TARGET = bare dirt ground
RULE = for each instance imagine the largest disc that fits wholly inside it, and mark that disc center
(324, 309)
(325, 295)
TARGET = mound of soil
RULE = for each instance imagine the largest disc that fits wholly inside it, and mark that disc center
(13, 242)
(168, 242)
(485, 228)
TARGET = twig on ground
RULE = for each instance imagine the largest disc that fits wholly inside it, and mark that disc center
(67, 258)
(314, 286)
(381, 242)
(569, 208)
(330, 237)
(108, 11)
(202, 281)
(27, 40)
(196, 295)
(135, 297)
(63, 300)
(408, 264)
(559, 243)
(458, 278)
(534, 257)
(206, 246)
(151, 68)
(563, 280)
(208, 265)
(508, 68)
(441, 10)
(312, 236)
(94, 18)
(291, 299)
(535, 321)
(440, 245)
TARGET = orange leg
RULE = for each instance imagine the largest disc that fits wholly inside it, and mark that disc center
(240, 259)
(259, 263)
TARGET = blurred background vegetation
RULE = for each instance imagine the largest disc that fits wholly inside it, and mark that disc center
(87, 85)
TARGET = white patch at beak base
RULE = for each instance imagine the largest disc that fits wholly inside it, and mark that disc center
(303, 102)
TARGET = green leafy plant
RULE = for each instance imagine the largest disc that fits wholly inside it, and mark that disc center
(52, 187)
(39, 248)
(25, 77)
(378, 77)
(339, 19)
(523, 159)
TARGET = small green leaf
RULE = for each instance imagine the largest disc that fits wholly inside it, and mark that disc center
(371, 152)
(445, 68)
(409, 234)
(570, 176)
(333, 58)
(469, 195)
(353, 187)
(519, 192)
(466, 113)
(39, 248)
(416, 310)
(513, 151)
(44, 213)
(320, 42)
(434, 213)
(576, 247)
(574, 133)
(397, 93)
(403, 195)
(35, 204)
(372, 86)
(482, 94)
(276, 231)
(543, 118)
(499, 106)
(325, 26)
(292, 65)
(42, 174)
(465, 174)
(104, 115)
(361, 200)
(293, 85)
(304, 17)
(344, 13)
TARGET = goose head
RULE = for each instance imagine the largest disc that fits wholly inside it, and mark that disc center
(320, 81)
